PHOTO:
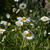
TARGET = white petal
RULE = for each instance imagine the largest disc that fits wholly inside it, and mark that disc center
(28, 19)
(49, 33)
(14, 9)
(17, 11)
(31, 37)
(19, 18)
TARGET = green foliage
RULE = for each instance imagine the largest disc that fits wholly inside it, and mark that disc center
(14, 39)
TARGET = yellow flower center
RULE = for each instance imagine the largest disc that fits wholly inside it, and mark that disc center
(1, 31)
(24, 18)
(45, 18)
(28, 34)
(19, 23)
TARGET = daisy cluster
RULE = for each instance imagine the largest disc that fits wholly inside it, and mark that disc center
(26, 34)
(24, 30)
(20, 23)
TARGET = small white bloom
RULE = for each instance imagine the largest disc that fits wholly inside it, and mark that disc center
(28, 35)
(22, 6)
(38, 27)
(23, 19)
(14, 9)
(2, 30)
(13, 29)
(8, 15)
(19, 23)
(19, 18)
(16, 0)
(44, 18)
(9, 24)
(49, 33)
(3, 38)
(30, 10)
(3, 22)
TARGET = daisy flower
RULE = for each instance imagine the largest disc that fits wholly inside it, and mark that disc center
(23, 19)
(22, 6)
(44, 18)
(19, 23)
(2, 30)
(28, 35)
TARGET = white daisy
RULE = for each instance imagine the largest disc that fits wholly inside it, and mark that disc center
(22, 6)
(3, 22)
(19, 23)
(19, 18)
(28, 35)
(2, 30)
(8, 15)
(44, 18)
(23, 19)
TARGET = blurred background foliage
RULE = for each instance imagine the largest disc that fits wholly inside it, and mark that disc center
(37, 6)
